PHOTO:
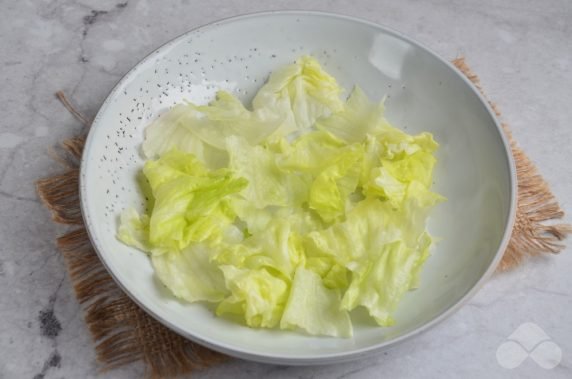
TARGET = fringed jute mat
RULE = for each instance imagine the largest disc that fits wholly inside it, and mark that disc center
(124, 333)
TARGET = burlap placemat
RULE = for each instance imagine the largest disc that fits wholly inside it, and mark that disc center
(124, 333)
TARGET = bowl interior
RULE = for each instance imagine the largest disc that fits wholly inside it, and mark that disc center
(423, 94)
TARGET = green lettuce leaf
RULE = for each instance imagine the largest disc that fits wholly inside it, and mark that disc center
(134, 230)
(379, 282)
(257, 220)
(330, 191)
(226, 116)
(267, 184)
(385, 185)
(315, 308)
(255, 294)
(309, 153)
(191, 203)
(276, 249)
(302, 91)
(368, 226)
(358, 118)
(174, 130)
(191, 275)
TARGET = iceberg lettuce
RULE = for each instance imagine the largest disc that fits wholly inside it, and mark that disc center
(256, 294)
(302, 91)
(191, 275)
(314, 308)
(290, 214)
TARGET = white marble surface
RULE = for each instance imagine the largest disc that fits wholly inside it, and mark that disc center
(521, 49)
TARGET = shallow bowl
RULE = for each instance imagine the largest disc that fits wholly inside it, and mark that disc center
(424, 93)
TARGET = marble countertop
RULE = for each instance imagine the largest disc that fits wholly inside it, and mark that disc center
(520, 49)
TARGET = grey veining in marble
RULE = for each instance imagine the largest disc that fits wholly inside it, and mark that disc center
(521, 50)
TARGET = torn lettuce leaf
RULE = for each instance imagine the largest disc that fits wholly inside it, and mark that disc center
(190, 274)
(267, 184)
(358, 118)
(255, 294)
(314, 308)
(379, 282)
(302, 91)
(226, 116)
(190, 202)
(174, 130)
(330, 190)
(134, 230)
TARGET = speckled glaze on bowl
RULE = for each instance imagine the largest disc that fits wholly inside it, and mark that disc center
(424, 93)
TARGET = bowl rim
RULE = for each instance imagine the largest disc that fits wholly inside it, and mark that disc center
(305, 359)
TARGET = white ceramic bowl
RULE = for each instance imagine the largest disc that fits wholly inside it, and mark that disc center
(425, 93)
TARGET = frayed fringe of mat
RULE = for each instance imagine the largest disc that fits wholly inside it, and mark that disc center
(124, 333)
(536, 204)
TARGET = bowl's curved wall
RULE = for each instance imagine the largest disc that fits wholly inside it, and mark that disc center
(423, 94)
